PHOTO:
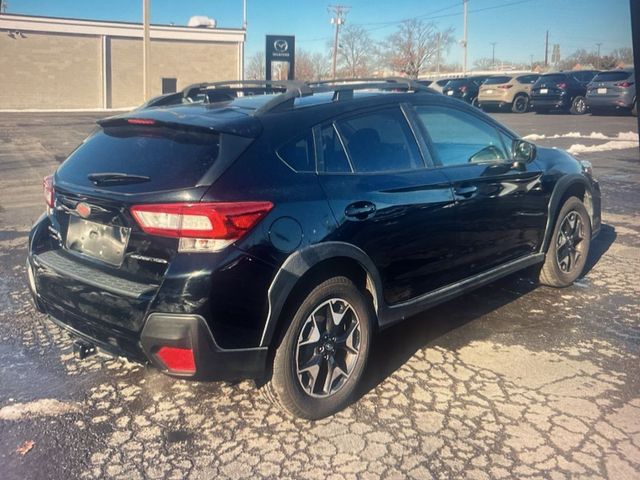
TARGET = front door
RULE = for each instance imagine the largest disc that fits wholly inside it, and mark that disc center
(501, 211)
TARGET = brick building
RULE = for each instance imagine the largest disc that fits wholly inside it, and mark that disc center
(56, 63)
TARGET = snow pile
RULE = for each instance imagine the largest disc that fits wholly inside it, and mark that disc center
(603, 147)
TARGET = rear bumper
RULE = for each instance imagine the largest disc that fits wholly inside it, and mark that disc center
(613, 103)
(160, 329)
(543, 103)
(493, 103)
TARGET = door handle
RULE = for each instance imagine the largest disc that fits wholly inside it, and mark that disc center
(462, 193)
(360, 210)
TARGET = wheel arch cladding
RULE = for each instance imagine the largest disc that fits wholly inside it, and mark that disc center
(574, 185)
(314, 264)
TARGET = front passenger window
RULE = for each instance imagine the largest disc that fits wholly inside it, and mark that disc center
(460, 138)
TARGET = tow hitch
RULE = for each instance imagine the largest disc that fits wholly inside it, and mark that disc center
(82, 349)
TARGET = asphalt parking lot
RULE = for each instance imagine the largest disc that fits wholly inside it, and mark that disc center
(511, 381)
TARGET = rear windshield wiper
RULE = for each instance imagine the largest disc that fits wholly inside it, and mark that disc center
(114, 177)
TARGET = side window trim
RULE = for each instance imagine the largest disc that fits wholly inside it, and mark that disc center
(409, 116)
(344, 147)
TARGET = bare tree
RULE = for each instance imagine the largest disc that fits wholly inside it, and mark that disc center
(623, 55)
(486, 63)
(255, 67)
(413, 47)
(304, 66)
(321, 65)
(355, 56)
(582, 58)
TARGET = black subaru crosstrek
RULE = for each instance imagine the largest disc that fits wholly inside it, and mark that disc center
(270, 236)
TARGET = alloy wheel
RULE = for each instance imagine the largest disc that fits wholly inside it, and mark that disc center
(570, 242)
(521, 104)
(328, 348)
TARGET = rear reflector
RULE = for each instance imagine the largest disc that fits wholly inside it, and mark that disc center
(178, 360)
(210, 226)
(47, 185)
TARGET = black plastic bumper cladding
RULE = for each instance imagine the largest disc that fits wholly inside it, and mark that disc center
(212, 361)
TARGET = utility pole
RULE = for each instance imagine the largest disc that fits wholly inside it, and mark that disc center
(493, 54)
(546, 49)
(145, 49)
(338, 12)
(598, 59)
(531, 58)
(438, 53)
(244, 27)
(464, 40)
(3, 6)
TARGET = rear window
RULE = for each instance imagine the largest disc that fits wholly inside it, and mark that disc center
(553, 78)
(497, 80)
(612, 76)
(171, 158)
(457, 82)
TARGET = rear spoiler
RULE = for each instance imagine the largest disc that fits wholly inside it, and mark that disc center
(202, 120)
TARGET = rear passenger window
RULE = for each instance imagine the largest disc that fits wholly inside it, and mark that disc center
(528, 79)
(460, 138)
(299, 154)
(380, 142)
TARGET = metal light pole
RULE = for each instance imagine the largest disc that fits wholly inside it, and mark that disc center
(598, 59)
(145, 49)
(464, 40)
(493, 54)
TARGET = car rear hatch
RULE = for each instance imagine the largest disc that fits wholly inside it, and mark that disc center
(495, 88)
(611, 84)
(102, 265)
(549, 87)
(456, 88)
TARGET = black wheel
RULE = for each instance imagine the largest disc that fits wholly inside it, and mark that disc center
(322, 355)
(578, 106)
(520, 104)
(569, 245)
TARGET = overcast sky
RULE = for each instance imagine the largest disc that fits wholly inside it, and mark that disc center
(518, 26)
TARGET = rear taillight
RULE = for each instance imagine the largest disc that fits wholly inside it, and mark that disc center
(47, 185)
(177, 360)
(624, 84)
(201, 227)
(505, 87)
(463, 88)
(561, 86)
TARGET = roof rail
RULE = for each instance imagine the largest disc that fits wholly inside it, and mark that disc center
(237, 85)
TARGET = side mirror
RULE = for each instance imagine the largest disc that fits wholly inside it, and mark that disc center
(523, 153)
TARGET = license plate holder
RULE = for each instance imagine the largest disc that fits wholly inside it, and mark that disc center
(489, 91)
(544, 91)
(602, 91)
(106, 243)
(450, 92)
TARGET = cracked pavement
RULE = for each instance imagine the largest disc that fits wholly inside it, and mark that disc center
(510, 381)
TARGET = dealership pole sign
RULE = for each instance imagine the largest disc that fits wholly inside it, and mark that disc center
(280, 56)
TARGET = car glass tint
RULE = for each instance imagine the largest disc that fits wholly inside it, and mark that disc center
(553, 78)
(171, 158)
(497, 80)
(528, 79)
(611, 76)
(299, 154)
(333, 156)
(380, 142)
(457, 83)
(459, 137)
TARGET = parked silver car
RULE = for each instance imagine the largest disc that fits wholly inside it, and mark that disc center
(613, 90)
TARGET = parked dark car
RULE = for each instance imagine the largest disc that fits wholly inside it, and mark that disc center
(465, 88)
(613, 90)
(271, 236)
(562, 91)
(438, 85)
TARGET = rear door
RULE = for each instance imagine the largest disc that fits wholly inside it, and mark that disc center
(500, 211)
(386, 199)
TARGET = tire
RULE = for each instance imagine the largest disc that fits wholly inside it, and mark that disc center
(578, 105)
(307, 392)
(568, 247)
(520, 104)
